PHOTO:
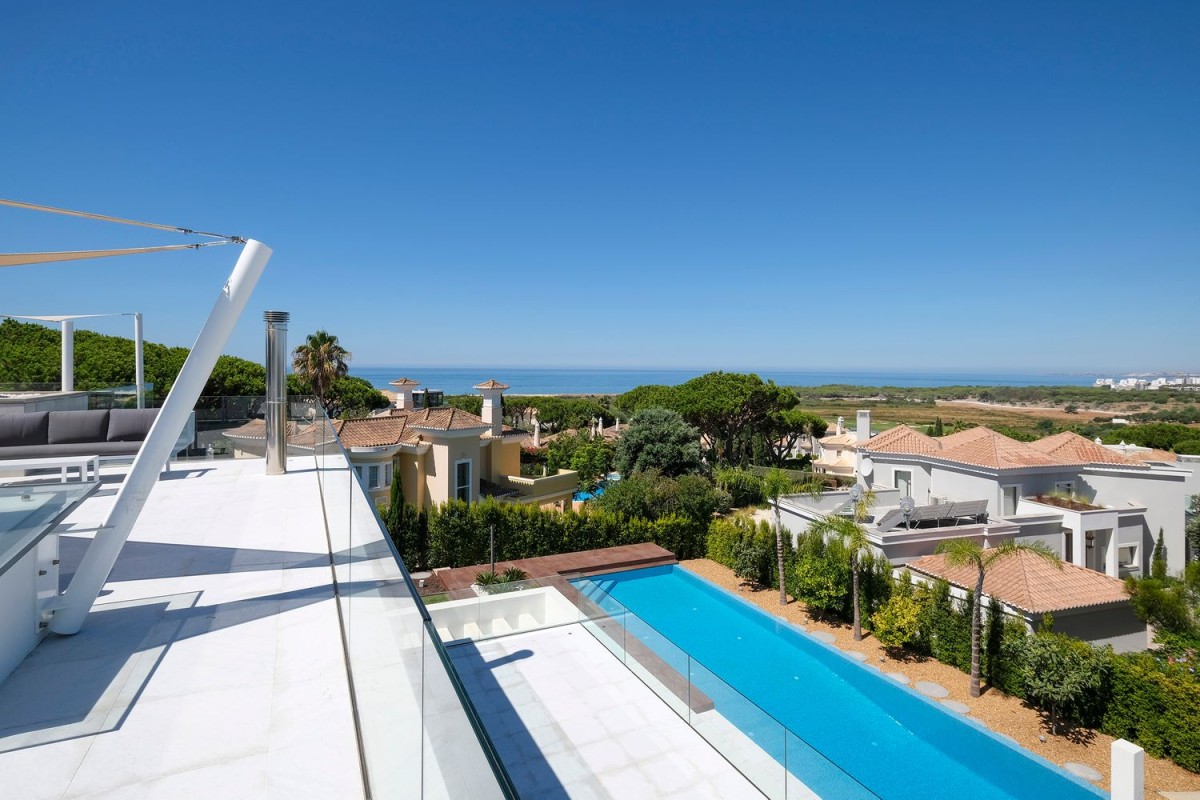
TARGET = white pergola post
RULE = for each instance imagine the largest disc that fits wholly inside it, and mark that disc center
(71, 609)
(68, 356)
(139, 361)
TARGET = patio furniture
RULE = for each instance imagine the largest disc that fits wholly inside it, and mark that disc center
(87, 466)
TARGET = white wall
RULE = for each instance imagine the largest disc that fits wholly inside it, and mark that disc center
(1163, 496)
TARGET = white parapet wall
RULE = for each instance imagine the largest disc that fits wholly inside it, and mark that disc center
(505, 612)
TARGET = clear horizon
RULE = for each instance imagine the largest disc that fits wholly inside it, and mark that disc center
(624, 186)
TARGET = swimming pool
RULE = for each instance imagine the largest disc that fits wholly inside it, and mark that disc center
(885, 736)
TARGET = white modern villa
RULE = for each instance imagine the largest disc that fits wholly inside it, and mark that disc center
(1098, 508)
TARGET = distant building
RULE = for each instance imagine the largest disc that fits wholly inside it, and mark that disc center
(437, 453)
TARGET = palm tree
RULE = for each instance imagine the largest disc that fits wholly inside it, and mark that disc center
(776, 483)
(321, 361)
(969, 553)
(854, 535)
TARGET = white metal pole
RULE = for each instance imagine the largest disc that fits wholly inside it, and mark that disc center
(139, 361)
(72, 608)
(68, 356)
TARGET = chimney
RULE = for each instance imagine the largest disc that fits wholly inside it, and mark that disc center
(276, 410)
(493, 405)
(863, 433)
(841, 426)
(404, 393)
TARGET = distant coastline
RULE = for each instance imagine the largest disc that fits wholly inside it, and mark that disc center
(539, 381)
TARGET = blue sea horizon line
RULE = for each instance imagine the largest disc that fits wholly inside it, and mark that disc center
(611, 380)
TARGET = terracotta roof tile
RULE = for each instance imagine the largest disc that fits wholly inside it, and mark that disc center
(990, 449)
(373, 431)
(847, 439)
(491, 384)
(901, 439)
(404, 382)
(1069, 446)
(1146, 456)
(445, 418)
(1030, 583)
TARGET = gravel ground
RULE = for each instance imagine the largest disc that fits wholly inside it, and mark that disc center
(1001, 713)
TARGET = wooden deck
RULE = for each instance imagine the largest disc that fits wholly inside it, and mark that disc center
(586, 562)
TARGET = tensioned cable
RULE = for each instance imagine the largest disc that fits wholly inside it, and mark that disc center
(105, 218)
(17, 259)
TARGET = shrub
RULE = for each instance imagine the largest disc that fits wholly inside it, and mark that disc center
(744, 488)
(1155, 706)
(456, 534)
(1066, 676)
(898, 621)
(748, 548)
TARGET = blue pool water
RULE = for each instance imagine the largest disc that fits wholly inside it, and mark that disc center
(884, 736)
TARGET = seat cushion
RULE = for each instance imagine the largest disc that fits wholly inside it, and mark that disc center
(69, 427)
(21, 430)
(130, 424)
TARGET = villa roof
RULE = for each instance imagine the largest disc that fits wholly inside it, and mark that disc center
(490, 384)
(984, 447)
(1072, 446)
(404, 382)
(1030, 583)
(847, 439)
(901, 439)
(445, 418)
(373, 431)
(1151, 454)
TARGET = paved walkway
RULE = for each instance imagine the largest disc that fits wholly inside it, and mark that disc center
(588, 562)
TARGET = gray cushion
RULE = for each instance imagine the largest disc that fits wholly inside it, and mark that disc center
(17, 430)
(77, 449)
(130, 424)
(68, 427)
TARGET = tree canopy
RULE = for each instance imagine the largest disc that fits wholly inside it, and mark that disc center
(658, 440)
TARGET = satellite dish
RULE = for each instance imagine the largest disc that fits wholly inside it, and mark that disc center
(856, 493)
(907, 505)
(866, 467)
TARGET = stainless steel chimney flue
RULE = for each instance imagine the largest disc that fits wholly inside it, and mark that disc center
(276, 406)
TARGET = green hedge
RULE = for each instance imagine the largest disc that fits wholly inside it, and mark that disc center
(456, 534)
(1158, 707)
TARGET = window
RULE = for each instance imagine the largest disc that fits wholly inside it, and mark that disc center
(358, 472)
(387, 474)
(462, 481)
(903, 481)
(1127, 556)
(1068, 546)
(1065, 487)
(373, 476)
(1008, 500)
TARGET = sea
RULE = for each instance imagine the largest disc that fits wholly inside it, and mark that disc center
(548, 381)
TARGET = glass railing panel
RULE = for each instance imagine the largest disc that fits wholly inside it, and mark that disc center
(810, 773)
(749, 738)
(419, 733)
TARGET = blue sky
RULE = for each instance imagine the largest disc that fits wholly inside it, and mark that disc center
(792, 185)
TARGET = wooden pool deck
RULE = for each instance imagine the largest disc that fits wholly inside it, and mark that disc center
(586, 562)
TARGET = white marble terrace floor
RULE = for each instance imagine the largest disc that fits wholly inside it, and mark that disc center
(212, 667)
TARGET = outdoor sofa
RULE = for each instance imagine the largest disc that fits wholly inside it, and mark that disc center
(114, 433)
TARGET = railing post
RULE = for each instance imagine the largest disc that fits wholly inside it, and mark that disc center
(1128, 778)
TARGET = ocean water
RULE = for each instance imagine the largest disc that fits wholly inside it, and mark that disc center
(854, 733)
(526, 380)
